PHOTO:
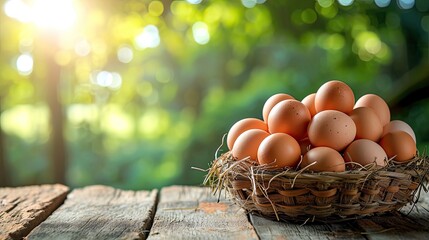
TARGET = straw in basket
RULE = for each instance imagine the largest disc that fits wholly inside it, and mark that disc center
(292, 195)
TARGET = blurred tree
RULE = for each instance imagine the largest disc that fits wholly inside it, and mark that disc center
(4, 173)
(47, 47)
(137, 92)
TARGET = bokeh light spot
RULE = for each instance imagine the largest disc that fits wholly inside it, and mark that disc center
(156, 8)
(201, 33)
(24, 64)
(345, 2)
(149, 38)
(125, 54)
(328, 12)
(212, 13)
(104, 78)
(180, 8)
(382, 3)
(112, 80)
(425, 23)
(308, 16)
(373, 45)
(249, 3)
(116, 81)
(368, 45)
(194, 1)
(406, 4)
(325, 3)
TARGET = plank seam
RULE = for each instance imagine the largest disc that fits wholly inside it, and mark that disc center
(56, 203)
(147, 229)
(254, 229)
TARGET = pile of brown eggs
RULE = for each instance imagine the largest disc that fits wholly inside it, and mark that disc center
(323, 132)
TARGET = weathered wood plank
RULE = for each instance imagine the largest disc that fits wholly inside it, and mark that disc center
(420, 211)
(194, 213)
(399, 226)
(23, 208)
(389, 226)
(392, 227)
(100, 212)
(268, 229)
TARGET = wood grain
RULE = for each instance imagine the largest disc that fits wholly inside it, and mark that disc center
(399, 225)
(23, 208)
(194, 213)
(420, 211)
(268, 229)
(100, 212)
(392, 226)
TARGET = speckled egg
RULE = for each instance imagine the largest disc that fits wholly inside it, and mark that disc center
(334, 95)
(332, 129)
(290, 117)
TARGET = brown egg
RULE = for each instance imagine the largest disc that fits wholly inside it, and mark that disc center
(334, 95)
(377, 104)
(308, 101)
(364, 152)
(331, 128)
(325, 159)
(242, 126)
(247, 144)
(279, 150)
(368, 125)
(398, 125)
(272, 101)
(305, 145)
(290, 117)
(399, 144)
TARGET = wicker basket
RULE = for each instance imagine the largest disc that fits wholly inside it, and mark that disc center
(292, 195)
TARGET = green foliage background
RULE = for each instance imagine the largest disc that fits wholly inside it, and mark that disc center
(178, 99)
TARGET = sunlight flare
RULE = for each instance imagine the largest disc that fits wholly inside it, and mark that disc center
(47, 14)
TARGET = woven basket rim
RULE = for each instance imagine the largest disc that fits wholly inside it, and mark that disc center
(228, 174)
(419, 162)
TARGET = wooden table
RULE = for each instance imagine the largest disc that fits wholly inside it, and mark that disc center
(177, 212)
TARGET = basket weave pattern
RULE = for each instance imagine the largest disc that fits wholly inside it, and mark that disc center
(302, 196)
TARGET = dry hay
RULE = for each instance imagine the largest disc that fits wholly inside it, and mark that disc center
(301, 195)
